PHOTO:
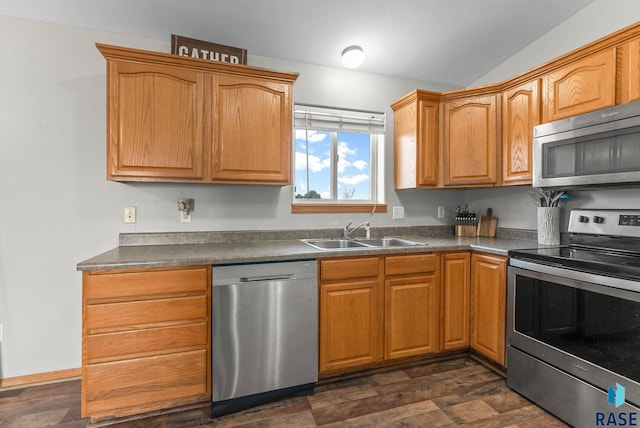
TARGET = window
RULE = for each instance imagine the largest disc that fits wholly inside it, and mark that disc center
(338, 159)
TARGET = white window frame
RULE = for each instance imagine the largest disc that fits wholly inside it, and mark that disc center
(333, 121)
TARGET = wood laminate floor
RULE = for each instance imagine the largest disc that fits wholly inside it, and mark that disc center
(457, 392)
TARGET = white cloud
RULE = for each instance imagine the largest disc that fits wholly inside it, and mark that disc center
(345, 150)
(310, 136)
(315, 163)
(360, 164)
(355, 179)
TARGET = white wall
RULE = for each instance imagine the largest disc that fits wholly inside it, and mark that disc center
(59, 209)
(514, 207)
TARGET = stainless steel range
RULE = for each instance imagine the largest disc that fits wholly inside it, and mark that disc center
(573, 321)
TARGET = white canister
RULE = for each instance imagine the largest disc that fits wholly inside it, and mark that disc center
(549, 225)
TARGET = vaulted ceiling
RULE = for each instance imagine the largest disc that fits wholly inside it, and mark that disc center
(446, 41)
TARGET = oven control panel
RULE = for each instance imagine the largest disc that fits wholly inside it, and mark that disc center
(629, 220)
(605, 222)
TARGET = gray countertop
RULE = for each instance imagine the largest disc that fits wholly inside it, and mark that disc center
(185, 254)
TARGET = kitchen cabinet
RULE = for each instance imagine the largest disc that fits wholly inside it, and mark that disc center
(253, 133)
(580, 86)
(174, 118)
(455, 296)
(350, 312)
(375, 308)
(412, 312)
(520, 113)
(145, 340)
(470, 141)
(488, 299)
(628, 72)
(156, 122)
(416, 147)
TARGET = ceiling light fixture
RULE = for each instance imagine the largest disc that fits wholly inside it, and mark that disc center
(352, 56)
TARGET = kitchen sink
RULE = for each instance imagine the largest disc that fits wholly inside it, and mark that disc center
(353, 244)
(389, 242)
(334, 244)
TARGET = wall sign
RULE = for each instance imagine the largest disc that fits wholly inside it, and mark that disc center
(185, 46)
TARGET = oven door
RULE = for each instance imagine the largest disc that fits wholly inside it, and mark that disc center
(580, 323)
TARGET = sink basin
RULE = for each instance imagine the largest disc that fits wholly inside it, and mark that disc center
(352, 244)
(389, 242)
(334, 244)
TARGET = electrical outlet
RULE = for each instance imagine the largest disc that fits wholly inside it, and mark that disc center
(129, 214)
(441, 212)
(398, 213)
(185, 217)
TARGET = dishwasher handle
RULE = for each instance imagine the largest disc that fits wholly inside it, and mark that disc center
(267, 278)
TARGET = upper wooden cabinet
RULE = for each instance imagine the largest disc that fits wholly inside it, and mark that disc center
(156, 122)
(470, 141)
(416, 123)
(486, 133)
(580, 86)
(628, 72)
(173, 118)
(253, 130)
(520, 113)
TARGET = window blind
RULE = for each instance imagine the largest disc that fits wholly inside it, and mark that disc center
(341, 120)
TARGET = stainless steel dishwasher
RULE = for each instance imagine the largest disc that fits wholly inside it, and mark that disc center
(264, 329)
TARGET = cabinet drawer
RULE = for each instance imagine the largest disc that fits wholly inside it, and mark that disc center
(135, 386)
(138, 314)
(363, 267)
(138, 343)
(415, 263)
(127, 285)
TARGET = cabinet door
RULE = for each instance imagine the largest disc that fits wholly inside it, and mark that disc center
(349, 324)
(580, 87)
(488, 298)
(628, 72)
(520, 113)
(455, 298)
(411, 316)
(155, 123)
(252, 133)
(416, 144)
(470, 141)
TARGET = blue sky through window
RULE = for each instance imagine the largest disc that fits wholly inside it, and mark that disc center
(314, 169)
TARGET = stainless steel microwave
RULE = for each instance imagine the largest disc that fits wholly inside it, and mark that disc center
(599, 148)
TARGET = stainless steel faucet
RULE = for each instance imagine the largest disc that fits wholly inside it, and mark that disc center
(346, 231)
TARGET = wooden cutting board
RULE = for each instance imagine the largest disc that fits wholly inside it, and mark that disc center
(487, 225)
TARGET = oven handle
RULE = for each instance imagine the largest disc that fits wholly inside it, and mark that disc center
(616, 287)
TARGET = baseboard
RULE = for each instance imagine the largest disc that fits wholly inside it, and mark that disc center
(39, 378)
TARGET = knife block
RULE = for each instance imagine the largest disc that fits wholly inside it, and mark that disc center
(465, 230)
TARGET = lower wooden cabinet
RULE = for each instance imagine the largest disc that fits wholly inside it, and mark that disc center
(375, 308)
(145, 340)
(350, 312)
(488, 299)
(412, 313)
(455, 300)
